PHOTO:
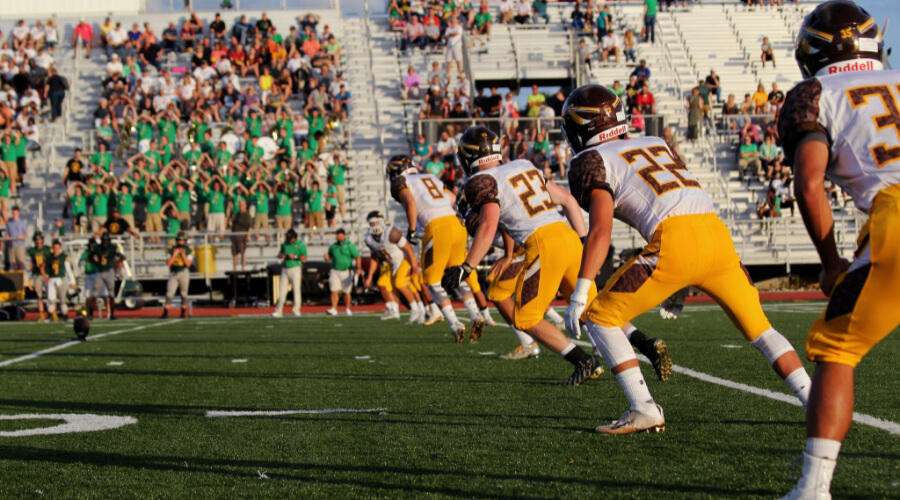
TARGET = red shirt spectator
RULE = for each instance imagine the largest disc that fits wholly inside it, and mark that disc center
(310, 47)
(645, 101)
(83, 31)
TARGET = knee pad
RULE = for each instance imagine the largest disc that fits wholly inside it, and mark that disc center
(772, 345)
(612, 344)
(438, 294)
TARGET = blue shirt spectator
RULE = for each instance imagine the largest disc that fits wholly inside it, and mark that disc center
(17, 231)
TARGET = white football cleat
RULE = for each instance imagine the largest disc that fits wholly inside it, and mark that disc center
(434, 319)
(413, 316)
(276, 314)
(388, 315)
(633, 421)
(489, 321)
(332, 312)
(296, 314)
(349, 312)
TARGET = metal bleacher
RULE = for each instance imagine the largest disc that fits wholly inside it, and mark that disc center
(722, 35)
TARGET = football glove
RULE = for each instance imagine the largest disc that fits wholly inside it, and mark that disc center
(454, 276)
(577, 305)
(412, 237)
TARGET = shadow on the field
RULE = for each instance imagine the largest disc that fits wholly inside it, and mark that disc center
(406, 477)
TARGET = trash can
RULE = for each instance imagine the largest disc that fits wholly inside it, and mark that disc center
(206, 259)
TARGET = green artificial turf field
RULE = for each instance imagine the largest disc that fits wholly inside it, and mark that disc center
(450, 420)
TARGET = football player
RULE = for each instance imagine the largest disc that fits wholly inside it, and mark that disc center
(843, 122)
(428, 204)
(394, 249)
(516, 198)
(61, 278)
(108, 261)
(642, 182)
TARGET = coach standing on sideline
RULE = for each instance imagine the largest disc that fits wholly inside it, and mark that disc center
(179, 261)
(16, 232)
(293, 254)
(343, 255)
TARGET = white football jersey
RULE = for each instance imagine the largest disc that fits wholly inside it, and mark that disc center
(857, 114)
(648, 182)
(389, 246)
(432, 201)
(520, 190)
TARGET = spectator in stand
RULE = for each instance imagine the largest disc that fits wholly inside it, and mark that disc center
(770, 157)
(454, 36)
(522, 12)
(509, 114)
(609, 45)
(421, 150)
(85, 34)
(534, 102)
(506, 10)
(20, 36)
(558, 159)
(241, 231)
(170, 42)
(483, 21)
(770, 206)
(539, 12)
(645, 101)
(411, 85)
(432, 31)
(650, 7)
(760, 100)
(413, 33)
(55, 90)
(642, 72)
(748, 161)
(115, 40)
(729, 109)
(578, 20)
(776, 98)
(217, 28)
(584, 53)
(695, 114)
(540, 148)
(629, 43)
(768, 54)
(714, 84)
(749, 128)
(446, 147)
(16, 233)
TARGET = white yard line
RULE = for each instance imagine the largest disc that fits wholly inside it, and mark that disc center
(277, 413)
(66, 345)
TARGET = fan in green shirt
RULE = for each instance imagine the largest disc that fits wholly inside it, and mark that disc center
(77, 204)
(200, 128)
(314, 199)
(285, 126)
(216, 199)
(144, 129)
(8, 149)
(254, 124)
(435, 166)
(125, 200)
(253, 151)
(99, 201)
(222, 155)
(482, 18)
(192, 157)
(283, 201)
(261, 201)
(305, 153)
(337, 172)
(21, 144)
(102, 158)
(167, 128)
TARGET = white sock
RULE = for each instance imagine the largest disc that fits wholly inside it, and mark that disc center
(472, 307)
(524, 339)
(486, 314)
(567, 349)
(554, 316)
(392, 307)
(450, 316)
(631, 329)
(434, 309)
(632, 382)
(421, 307)
(799, 382)
(823, 448)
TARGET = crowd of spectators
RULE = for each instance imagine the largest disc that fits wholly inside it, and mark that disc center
(235, 128)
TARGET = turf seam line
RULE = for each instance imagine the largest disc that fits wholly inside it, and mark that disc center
(70, 343)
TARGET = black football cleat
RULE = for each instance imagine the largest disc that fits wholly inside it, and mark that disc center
(588, 370)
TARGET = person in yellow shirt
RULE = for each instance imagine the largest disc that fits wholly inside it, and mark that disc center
(760, 99)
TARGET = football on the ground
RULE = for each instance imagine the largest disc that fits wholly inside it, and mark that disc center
(82, 325)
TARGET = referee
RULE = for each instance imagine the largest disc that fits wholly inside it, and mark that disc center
(179, 261)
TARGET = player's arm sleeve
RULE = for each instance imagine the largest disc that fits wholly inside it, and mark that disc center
(587, 172)
(397, 187)
(480, 191)
(798, 120)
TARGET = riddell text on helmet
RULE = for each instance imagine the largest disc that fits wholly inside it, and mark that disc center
(861, 65)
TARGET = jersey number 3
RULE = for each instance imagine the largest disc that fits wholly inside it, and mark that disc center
(530, 179)
(859, 96)
(649, 172)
